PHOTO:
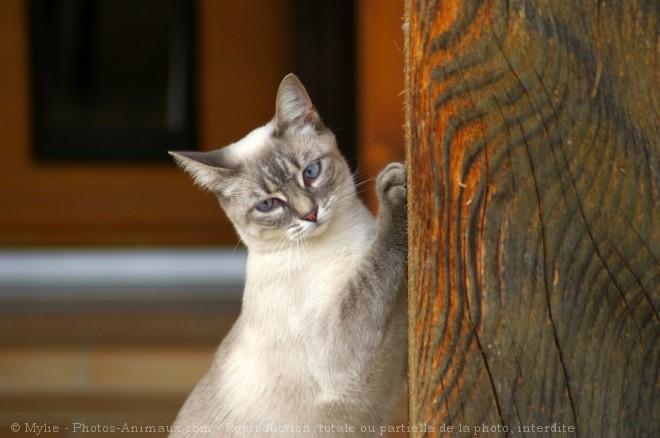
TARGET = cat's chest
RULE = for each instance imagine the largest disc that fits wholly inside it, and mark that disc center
(302, 271)
(286, 301)
(286, 292)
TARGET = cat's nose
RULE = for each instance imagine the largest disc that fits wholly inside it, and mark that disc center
(311, 216)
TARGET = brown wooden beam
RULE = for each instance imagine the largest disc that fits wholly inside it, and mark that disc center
(534, 209)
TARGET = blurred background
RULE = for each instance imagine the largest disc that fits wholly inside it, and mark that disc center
(118, 278)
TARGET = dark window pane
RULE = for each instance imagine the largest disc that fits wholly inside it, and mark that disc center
(325, 62)
(112, 79)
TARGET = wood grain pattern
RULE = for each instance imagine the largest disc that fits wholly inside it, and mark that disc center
(533, 148)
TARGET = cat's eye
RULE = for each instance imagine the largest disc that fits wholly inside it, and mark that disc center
(311, 172)
(268, 204)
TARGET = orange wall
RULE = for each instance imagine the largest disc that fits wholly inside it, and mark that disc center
(244, 50)
(380, 86)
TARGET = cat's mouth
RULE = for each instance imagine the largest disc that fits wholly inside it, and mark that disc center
(307, 229)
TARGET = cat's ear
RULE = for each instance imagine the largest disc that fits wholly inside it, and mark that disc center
(206, 168)
(293, 107)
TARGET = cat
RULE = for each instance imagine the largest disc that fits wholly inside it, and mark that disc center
(320, 344)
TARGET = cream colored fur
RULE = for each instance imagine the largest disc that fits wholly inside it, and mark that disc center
(320, 343)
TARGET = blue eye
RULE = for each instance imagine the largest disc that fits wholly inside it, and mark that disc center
(311, 172)
(268, 204)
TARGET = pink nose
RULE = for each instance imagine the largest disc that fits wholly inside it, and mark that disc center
(311, 216)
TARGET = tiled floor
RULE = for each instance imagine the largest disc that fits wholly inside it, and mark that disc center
(73, 369)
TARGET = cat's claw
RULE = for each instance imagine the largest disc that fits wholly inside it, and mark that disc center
(391, 185)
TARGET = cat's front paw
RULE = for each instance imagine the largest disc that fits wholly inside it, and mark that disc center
(391, 186)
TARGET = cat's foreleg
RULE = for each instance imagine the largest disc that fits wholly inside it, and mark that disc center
(374, 291)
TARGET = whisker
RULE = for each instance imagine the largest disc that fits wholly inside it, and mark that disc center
(304, 248)
(298, 258)
(344, 188)
(236, 246)
(365, 181)
(289, 256)
(280, 244)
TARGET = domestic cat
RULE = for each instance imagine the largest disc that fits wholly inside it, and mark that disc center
(320, 343)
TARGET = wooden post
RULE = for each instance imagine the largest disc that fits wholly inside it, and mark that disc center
(533, 151)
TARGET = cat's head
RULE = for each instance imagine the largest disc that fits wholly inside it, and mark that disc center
(284, 181)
